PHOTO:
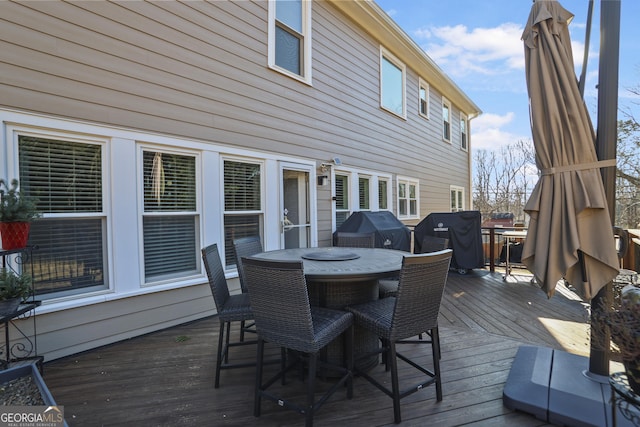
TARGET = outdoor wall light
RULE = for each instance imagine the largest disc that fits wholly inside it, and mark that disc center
(323, 180)
(324, 166)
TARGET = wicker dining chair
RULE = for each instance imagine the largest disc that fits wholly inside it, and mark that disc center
(397, 319)
(389, 287)
(231, 308)
(283, 316)
(244, 247)
(355, 240)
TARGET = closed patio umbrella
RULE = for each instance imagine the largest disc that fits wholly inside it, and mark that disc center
(570, 233)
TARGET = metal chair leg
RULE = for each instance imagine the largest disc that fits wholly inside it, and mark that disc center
(258, 388)
(220, 355)
(395, 384)
(311, 386)
(435, 347)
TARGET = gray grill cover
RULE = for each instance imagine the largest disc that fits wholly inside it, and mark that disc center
(390, 232)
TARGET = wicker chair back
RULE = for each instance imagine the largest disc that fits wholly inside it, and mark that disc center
(215, 274)
(420, 289)
(355, 240)
(280, 303)
(244, 247)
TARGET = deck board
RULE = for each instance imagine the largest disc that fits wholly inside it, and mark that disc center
(166, 378)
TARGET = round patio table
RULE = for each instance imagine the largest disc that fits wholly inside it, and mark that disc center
(337, 277)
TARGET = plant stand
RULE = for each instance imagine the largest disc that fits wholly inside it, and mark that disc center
(18, 345)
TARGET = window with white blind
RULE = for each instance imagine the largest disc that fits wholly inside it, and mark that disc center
(423, 101)
(407, 198)
(446, 120)
(243, 210)
(170, 217)
(383, 194)
(464, 142)
(289, 38)
(364, 193)
(65, 178)
(343, 204)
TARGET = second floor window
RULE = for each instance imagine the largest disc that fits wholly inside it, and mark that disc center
(424, 99)
(464, 141)
(289, 40)
(446, 120)
(392, 83)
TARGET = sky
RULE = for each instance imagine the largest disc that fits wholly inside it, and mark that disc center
(477, 43)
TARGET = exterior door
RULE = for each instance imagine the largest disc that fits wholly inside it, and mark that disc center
(295, 222)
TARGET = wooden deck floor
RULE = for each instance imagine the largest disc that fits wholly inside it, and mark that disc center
(166, 378)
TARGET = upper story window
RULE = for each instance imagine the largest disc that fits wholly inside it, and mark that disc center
(392, 84)
(446, 120)
(290, 38)
(66, 177)
(407, 198)
(169, 215)
(464, 138)
(457, 198)
(424, 99)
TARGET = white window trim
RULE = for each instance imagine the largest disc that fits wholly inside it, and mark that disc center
(447, 103)
(369, 179)
(389, 182)
(457, 189)
(385, 54)
(122, 213)
(263, 199)
(306, 45)
(466, 127)
(140, 199)
(354, 203)
(423, 85)
(408, 181)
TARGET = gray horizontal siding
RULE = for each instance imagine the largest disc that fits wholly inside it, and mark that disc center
(198, 70)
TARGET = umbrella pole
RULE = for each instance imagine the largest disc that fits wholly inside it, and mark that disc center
(606, 149)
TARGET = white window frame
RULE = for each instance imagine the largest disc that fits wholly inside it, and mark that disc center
(13, 133)
(261, 211)
(456, 195)
(464, 132)
(196, 214)
(423, 85)
(385, 55)
(305, 62)
(446, 104)
(408, 182)
(389, 192)
(370, 190)
(353, 177)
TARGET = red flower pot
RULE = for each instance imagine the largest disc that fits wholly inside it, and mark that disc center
(14, 234)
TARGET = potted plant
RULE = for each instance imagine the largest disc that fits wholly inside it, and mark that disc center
(16, 213)
(14, 289)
